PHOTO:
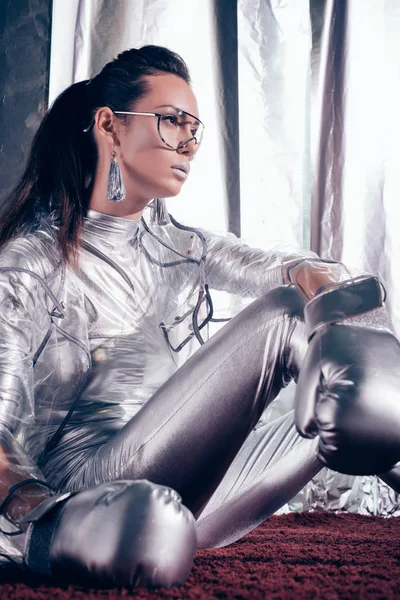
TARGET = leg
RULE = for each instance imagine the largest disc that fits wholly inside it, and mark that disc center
(273, 464)
(189, 432)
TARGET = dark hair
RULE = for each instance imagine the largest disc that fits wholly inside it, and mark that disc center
(63, 158)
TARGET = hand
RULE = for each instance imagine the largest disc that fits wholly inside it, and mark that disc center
(125, 533)
(311, 275)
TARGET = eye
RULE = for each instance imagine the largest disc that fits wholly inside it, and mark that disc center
(170, 119)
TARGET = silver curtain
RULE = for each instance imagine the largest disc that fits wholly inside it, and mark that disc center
(356, 159)
(300, 104)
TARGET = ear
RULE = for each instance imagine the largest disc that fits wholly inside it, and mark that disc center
(104, 123)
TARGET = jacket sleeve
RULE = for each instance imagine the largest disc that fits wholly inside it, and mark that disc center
(24, 321)
(233, 266)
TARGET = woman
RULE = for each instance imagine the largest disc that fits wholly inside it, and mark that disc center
(100, 302)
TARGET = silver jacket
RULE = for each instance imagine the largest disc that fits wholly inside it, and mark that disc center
(83, 348)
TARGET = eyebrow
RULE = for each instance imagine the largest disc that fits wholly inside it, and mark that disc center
(169, 106)
(177, 110)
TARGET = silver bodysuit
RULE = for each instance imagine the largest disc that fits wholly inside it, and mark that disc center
(100, 378)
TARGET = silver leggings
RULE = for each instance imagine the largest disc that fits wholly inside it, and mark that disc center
(196, 434)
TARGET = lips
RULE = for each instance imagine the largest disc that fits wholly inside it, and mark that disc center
(185, 167)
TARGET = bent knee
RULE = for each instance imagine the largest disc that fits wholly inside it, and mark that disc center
(283, 300)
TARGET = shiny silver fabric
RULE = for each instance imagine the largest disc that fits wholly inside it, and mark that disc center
(84, 540)
(121, 265)
(274, 56)
(111, 323)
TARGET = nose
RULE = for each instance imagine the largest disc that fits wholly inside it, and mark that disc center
(188, 148)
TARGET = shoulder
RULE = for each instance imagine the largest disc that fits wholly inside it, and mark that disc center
(172, 241)
(34, 249)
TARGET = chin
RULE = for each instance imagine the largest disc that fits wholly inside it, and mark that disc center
(168, 187)
(169, 192)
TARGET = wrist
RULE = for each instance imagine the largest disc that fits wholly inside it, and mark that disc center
(313, 275)
(24, 501)
(42, 522)
(38, 540)
(287, 270)
(27, 501)
(22, 497)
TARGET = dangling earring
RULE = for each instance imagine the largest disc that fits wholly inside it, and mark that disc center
(115, 187)
(159, 212)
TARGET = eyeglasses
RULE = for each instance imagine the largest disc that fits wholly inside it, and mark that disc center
(172, 127)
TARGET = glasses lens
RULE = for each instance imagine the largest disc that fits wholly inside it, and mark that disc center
(177, 129)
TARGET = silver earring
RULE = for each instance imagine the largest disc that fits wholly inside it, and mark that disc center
(115, 185)
(159, 212)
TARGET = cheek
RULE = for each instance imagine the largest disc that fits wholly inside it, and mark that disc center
(147, 162)
(143, 162)
(142, 149)
(151, 170)
(142, 136)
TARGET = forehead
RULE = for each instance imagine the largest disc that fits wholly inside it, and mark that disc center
(168, 90)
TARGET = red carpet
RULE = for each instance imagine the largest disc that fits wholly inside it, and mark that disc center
(309, 555)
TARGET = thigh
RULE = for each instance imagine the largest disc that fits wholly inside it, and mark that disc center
(188, 433)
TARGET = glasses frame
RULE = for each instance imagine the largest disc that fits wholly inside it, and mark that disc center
(159, 115)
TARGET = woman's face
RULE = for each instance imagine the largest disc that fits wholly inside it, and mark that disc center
(149, 167)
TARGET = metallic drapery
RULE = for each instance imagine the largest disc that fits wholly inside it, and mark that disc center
(300, 144)
(355, 171)
(274, 88)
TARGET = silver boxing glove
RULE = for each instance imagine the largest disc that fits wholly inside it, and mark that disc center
(126, 533)
(348, 390)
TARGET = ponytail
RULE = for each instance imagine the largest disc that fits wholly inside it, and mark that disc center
(60, 160)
